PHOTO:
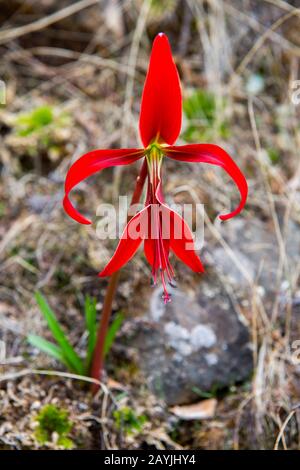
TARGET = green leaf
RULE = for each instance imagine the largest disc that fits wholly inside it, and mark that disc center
(73, 360)
(91, 326)
(90, 314)
(203, 394)
(47, 347)
(112, 331)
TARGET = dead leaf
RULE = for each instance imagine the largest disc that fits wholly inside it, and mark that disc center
(202, 410)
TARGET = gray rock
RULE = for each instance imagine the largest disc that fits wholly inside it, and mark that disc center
(196, 342)
(255, 248)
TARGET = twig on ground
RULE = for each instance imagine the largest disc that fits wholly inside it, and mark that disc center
(10, 34)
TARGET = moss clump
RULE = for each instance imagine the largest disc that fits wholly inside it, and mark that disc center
(52, 420)
(34, 121)
(128, 420)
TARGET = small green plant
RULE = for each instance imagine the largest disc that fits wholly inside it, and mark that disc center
(39, 121)
(2, 93)
(62, 350)
(202, 114)
(274, 155)
(203, 394)
(44, 127)
(160, 7)
(2, 209)
(34, 121)
(128, 420)
(52, 419)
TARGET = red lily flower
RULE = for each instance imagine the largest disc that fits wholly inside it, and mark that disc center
(160, 123)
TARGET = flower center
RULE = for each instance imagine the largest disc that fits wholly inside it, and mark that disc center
(154, 158)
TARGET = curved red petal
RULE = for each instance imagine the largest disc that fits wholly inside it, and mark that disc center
(182, 243)
(161, 107)
(181, 238)
(133, 234)
(215, 155)
(149, 250)
(89, 164)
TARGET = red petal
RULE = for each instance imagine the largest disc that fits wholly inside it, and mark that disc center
(181, 238)
(89, 164)
(161, 106)
(149, 250)
(149, 243)
(134, 232)
(215, 155)
(182, 243)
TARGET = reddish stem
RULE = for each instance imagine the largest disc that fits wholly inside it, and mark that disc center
(98, 355)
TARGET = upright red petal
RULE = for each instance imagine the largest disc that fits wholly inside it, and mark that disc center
(89, 164)
(134, 232)
(215, 155)
(161, 107)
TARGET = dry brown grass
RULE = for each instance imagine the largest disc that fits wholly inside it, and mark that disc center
(91, 65)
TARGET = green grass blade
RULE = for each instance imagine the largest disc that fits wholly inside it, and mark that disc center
(90, 313)
(91, 326)
(69, 354)
(112, 331)
(47, 347)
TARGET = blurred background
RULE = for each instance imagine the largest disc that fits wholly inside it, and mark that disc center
(218, 367)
